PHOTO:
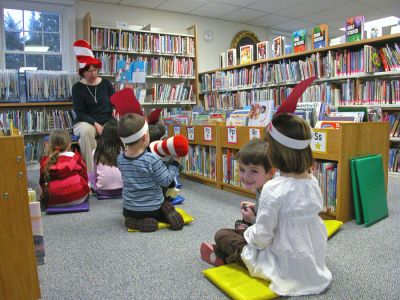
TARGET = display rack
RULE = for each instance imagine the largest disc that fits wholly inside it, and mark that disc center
(349, 141)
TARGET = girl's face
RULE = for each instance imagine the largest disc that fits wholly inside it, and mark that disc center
(253, 177)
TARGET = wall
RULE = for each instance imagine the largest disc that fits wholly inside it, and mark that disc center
(208, 53)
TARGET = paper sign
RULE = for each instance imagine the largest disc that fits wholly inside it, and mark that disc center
(207, 133)
(254, 133)
(319, 140)
(232, 135)
(190, 133)
(177, 130)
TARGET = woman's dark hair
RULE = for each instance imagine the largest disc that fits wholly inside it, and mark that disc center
(255, 153)
(109, 146)
(286, 159)
(86, 68)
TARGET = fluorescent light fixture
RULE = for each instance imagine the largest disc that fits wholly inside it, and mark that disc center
(384, 22)
(23, 69)
(36, 48)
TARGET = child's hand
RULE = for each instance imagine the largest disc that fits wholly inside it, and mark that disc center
(248, 213)
(177, 159)
(247, 204)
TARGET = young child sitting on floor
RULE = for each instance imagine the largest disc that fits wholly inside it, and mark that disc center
(287, 244)
(106, 179)
(63, 176)
(254, 170)
(144, 175)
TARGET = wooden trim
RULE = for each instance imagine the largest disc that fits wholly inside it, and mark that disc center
(35, 104)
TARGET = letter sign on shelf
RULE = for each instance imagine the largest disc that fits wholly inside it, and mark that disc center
(177, 130)
(207, 133)
(190, 133)
(232, 135)
(254, 133)
(319, 140)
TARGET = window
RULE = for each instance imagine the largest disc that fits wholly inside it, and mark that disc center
(32, 39)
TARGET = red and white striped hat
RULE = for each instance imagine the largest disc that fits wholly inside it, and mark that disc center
(84, 54)
(177, 145)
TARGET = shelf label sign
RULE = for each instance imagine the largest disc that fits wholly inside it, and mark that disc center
(207, 133)
(319, 140)
(190, 133)
(177, 130)
(232, 135)
(254, 133)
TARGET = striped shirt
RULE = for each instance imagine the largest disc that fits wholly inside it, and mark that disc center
(143, 178)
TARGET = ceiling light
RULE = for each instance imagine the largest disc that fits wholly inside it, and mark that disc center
(36, 48)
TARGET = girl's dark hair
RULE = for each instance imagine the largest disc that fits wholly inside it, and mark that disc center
(156, 131)
(255, 153)
(59, 141)
(286, 159)
(130, 124)
(109, 145)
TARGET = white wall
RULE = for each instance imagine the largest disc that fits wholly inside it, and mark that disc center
(208, 53)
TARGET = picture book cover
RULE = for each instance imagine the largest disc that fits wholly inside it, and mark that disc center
(246, 54)
(222, 60)
(299, 40)
(231, 60)
(277, 46)
(320, 36)
(262, 50)
(139, 71)
(261, 113)
(355, 28)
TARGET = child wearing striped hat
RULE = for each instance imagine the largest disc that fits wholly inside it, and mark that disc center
(144, 175)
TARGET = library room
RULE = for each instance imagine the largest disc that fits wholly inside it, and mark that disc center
(207, 149)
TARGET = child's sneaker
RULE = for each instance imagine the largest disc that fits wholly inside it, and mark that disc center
(143, 225)
(172, 216)
(208, 255)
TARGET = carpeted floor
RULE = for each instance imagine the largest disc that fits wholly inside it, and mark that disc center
(92, 256)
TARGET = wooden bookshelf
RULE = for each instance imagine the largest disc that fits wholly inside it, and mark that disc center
(34, 104)
(170, 81)
(349, 141)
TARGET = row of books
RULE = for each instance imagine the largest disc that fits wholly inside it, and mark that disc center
(119, 40)
(394, 160)
(230, 167)
(37, 227)
(9, 85)
(33, 151)
(36, 121)
(326, 174)
(36, 86)
(168, 93)
(394, 123)
(121, 66)
(331, 64)
(201, 160)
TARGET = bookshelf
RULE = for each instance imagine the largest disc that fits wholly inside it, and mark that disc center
(350, 140)
(171, 79)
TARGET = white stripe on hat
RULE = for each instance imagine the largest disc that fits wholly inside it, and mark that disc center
(83, 51)
(160, 149)
(170, 146)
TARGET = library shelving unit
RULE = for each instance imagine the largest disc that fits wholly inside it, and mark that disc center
(349, 141)
(171, 79)
(201, 163)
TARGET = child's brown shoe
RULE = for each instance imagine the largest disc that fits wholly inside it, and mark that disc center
(143, 225)
(172, 216)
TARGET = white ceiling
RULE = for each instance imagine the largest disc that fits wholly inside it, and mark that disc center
(282, 15)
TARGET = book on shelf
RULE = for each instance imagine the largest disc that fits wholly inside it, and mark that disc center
(138, 70)
(355, 28)
(320, 36)
(299, 40)
(327, 124)
(262, 50)
(261, 113)
(246, 54)
(222, 60)
(374, 114)
(231, 57)
(351, 116)
(373, 32)
(237, 118)
(278, 46)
